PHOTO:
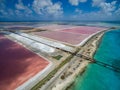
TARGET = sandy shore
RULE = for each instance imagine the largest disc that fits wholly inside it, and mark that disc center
(70, 79)
(77, 66)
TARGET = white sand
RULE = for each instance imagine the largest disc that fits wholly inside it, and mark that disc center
(69, 80)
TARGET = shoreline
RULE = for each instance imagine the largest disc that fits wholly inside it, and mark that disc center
(71, 78)
(97, 45)
(64, 85)
(70, 86)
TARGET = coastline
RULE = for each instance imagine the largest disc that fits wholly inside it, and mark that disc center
(69, 80)
(93, 77)
(92, 54)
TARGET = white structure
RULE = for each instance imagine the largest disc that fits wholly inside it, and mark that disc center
(48, 42)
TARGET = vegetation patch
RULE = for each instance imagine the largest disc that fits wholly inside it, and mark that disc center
(58, 57)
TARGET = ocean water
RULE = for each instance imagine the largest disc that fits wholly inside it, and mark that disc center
(100, 78)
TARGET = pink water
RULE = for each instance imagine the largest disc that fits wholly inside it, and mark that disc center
(71, 38)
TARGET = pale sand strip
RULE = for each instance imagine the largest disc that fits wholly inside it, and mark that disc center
(69, 80)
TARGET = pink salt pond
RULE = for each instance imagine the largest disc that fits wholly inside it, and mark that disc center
(84, 30)
(17, 64)
(72, 35)
(70, 38)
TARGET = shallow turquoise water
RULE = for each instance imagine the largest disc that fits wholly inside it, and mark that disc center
(97, 77)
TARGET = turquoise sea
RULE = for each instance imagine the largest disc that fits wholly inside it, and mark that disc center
(100, 78)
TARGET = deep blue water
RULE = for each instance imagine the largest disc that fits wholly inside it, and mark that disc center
(100, 78)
